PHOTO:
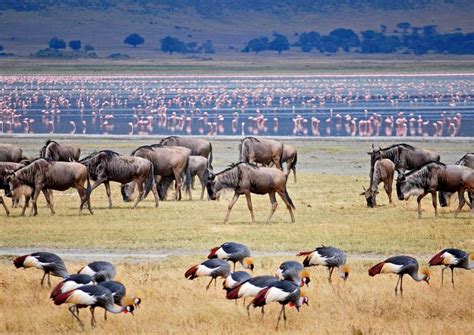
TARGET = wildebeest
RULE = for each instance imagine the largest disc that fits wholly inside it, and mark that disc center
(52, 150)
(245, 178)
(10, 153)
(405, 157)
(197, 166)
(4, 206)
(167, 161)
(290, 157)
(383, 172)
(106, 166)
(5, 168)
(198, 147)
(41, 175)
(260, 150)
(432, 177)
(466, 160)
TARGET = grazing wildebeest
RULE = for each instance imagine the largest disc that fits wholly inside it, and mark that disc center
(197, 146)
(260, 150)
(4, 206)
(41, 175)
(52, 150)
(432, 177)
(106, 166)
(197, 166)
(10, 153)
(5, 168)
(405, 157)
(245, 178)
(383, 172)
(290, 157)
(466, 160)
(167, 161)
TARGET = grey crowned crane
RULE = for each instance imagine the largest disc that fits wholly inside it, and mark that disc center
(100, 271)
(234, 279)
(119, 293)
(70, 283)
(91, 296)
(329, 257)
(50, 263)
(285, 292)
(234, 252)
(212, 267)
(250, 288)
(401, 265)
(452, 258)
(295, 272)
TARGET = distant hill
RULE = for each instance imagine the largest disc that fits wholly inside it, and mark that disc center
(27, 25)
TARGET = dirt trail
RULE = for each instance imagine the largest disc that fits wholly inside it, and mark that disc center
(142, 256)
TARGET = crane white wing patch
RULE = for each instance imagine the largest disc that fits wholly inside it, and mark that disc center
(391, 268)
(32, 262)
(317, 259)
(248, 290)
(276, 294)
(449, 259)
(87, 271)
(79, 297)
(203, 270)
(221, 254)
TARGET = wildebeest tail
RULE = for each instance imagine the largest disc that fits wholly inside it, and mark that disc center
(188, 179)
(289, 199)
(293, 165)
(88, 189)
(209, 158)
(150, 180)
(281, 157)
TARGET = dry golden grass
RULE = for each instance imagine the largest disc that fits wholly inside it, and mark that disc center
(172, 304)
(329, 210)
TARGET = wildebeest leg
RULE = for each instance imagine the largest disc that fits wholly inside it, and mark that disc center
(418, 200)
(232, 203)
(288, 204)
(141, 192)
(36, 192)
(434, 200)
(155, 194)
(249, 205)
(388, 189)
(461, 201)
(276, 161)
(203, 187)
(179, 185)
(107, 191)
(273, 200)
(4, 206)
(47, 195)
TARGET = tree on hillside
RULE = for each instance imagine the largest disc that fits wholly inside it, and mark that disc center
(309, 40)
(134, 39)
(329, 44)
(404, 26)
(1, 48)
(56, 43)
(207, 47)
(75, 45)
(88, 48)
(256, 45)
(172, 44)
(345, 38)
(279, 43)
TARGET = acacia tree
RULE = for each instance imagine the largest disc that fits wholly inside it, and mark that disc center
(75, 45)
(134, 40)
(279, 43)
(56, 43)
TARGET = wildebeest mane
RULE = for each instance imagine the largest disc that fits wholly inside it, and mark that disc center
(461, 160)
(424, 167)
(407, 146)
(144, 147)
(250, 138)
(233, 165)
(168, 138)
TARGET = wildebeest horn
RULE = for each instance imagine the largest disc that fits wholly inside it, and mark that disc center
(373, 147)
(364, 188)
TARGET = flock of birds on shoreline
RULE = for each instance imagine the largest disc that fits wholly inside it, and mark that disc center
(236, 106)
(93, 285)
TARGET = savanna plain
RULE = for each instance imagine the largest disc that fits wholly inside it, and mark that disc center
(153, 247)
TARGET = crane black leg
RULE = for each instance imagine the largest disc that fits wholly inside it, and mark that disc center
(92, 317)
(42, 280)
(248, 309)
(452, 276)
(401, 286)
(279, 316)
(442, 275)
(49, 280)
(263, 311)
(71, 310)
(284, 315)
(330, 274)
(234, 266)
(396, 286)
(105, 315)
(208, 285)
